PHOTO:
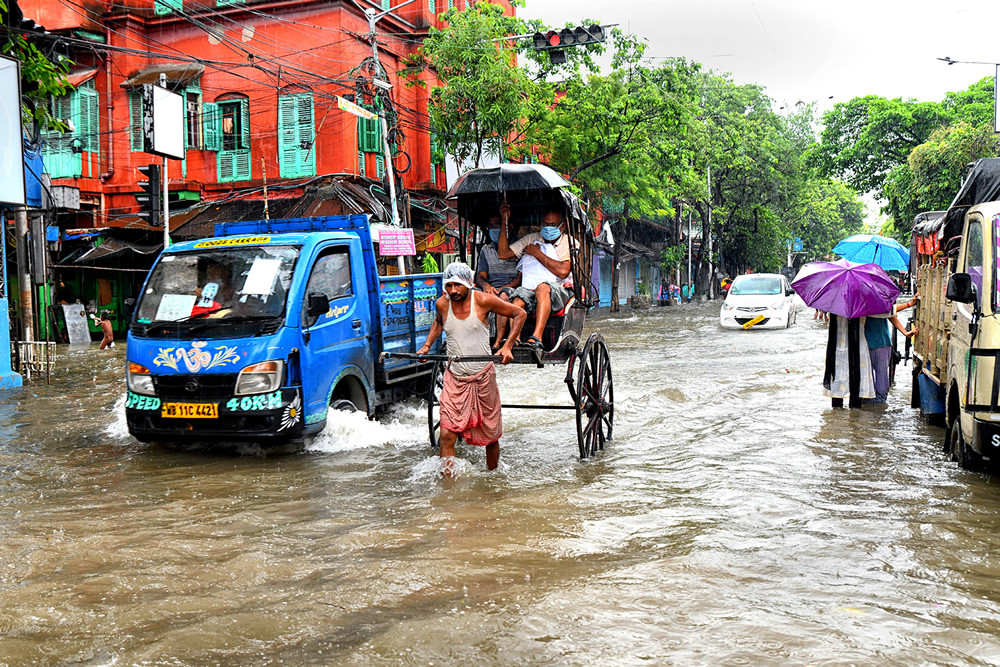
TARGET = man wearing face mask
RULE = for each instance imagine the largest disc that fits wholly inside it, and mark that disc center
(547, 297)
(470, 399)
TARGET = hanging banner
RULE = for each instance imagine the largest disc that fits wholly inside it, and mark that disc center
(351, 107)
(396, 242)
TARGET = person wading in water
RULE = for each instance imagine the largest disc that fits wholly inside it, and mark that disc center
(470, 400)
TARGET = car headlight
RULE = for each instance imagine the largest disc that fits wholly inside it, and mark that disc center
(727, 307)
(139, 379)
(260, 378)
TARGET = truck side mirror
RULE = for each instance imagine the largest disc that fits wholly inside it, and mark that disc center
(961, 289)
(318, 304)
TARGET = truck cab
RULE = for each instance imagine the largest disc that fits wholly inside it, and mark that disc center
(972, 405)
(259, 332)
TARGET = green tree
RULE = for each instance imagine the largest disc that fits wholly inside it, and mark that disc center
(825, 212)
(865, 138)
(40, 76)
(934, 170)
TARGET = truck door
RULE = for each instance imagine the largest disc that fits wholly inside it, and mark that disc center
(336, 342)
(971, 262)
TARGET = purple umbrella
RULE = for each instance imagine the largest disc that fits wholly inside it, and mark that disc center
(845, 288)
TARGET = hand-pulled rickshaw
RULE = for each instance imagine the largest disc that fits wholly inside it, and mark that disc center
(530, 190)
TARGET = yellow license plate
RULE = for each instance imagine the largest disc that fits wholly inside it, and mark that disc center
(191, 410)
(756, 320)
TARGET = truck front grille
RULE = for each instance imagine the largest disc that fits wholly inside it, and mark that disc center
(187, 387)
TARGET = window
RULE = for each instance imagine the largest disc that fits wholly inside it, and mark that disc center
(297, 133)
(974, 256)
(167, 6)
(63, 151)
(331, 276)
(385, 4)
(233, 162)
(430, 6)
(370, 135)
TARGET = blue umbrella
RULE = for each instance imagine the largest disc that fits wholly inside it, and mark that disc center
(874, 249)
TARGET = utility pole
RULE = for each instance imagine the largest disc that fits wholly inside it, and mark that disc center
(373, 17)
(689, 281)
(711, 259)
(24, 275)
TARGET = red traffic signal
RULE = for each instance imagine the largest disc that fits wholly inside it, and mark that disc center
(558, 39)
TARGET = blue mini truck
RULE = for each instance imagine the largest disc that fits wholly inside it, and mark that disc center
(259, 332)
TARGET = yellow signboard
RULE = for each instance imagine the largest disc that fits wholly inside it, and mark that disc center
(246, 240)
(351, 107)
(756, 320)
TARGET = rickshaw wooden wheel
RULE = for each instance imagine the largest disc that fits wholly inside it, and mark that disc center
(434, 404)
(595, 397)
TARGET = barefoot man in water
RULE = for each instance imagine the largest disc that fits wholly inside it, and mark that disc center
(470, 400)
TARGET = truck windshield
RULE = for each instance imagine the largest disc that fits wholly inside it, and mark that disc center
(216, 292)
(752, 285)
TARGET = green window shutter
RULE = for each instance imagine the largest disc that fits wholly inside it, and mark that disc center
(369, 135)
(288, 136)
(135, 120)
(241, 166)
(225, 166)
(58, 156)
(90, 120)
(430, 6)
(385, 4)
(221, 3)
(379, 165)
(245, 123)
(361, 163)
(166, 6)
(211, 129)
(306, 157)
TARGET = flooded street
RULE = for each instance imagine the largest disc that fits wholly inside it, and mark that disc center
(734, 519)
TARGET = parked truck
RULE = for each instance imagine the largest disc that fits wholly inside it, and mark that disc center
(956, 380)
(267, 329)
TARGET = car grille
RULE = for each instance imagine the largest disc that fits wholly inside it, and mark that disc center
(751, 309)
(744, 320)
(187, 387)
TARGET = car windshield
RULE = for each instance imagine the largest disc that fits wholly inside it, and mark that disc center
(756, 285)
(217, 286)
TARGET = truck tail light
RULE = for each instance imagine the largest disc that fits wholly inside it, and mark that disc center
(260, 378)
(139, 379)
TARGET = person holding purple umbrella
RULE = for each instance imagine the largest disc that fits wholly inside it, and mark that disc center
(848, 372)
(880, 346)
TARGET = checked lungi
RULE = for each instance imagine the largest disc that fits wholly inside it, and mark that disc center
(470, 406)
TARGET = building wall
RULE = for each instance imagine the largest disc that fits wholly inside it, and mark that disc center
(259, 50)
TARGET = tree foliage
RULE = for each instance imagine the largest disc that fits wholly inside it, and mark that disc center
(41, 77)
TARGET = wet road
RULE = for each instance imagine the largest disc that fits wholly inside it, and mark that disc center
(734, 519)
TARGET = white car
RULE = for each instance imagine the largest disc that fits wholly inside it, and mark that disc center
(766, 299)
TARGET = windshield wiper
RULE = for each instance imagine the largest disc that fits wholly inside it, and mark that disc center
(231, 320)
(164, 325)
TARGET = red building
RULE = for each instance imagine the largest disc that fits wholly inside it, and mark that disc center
(260, 80)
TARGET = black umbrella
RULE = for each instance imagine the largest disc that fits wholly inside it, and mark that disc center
(507, 178)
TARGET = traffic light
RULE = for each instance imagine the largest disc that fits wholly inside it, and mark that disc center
(554, 41)
(151, 203)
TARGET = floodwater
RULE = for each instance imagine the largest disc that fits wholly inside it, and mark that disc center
(734, 519)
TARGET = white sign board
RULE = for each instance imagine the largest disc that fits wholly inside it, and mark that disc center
(12, 189)
(163, 121)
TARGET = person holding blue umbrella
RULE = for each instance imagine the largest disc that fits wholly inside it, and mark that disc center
(874, 249)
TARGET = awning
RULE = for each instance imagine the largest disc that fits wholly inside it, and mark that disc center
(78, 76)
(181, 74)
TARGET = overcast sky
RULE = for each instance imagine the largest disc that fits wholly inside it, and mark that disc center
(811, 50)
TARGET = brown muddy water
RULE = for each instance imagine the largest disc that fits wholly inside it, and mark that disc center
(734, 519)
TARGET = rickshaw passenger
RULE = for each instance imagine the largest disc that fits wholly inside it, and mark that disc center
(548, 297)
(496, 276)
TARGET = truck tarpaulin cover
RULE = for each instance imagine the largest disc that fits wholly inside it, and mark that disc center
(982, 185)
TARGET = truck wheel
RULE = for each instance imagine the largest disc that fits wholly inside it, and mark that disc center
(344, 404)
(960, 450)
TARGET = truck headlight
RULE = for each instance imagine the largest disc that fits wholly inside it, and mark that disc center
(139, 379)
(260, 378)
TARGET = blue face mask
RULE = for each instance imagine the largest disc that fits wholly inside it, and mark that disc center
(550, 233)
(495, 235)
